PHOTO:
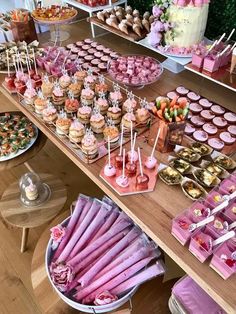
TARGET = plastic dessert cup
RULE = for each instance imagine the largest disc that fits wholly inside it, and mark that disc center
(198, 211)
(214, 198)
(217, 227)
(211, 63)
(200, 246)
(227, 187)
(230, 212)
(197, 60)
(224, 261)
(180, 228)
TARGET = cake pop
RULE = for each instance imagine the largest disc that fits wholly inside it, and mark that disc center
(119, 157)
(151, 160)
(142, 179)
(123, 180)
(132, 154)
(109, 169)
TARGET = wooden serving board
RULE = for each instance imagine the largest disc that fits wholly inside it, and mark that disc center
(132, 35)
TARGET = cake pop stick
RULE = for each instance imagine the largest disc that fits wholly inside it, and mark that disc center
(155, 143)
(230, 35)
(123, 164)
(109, 152)
(121, 138)
(232, 48)
(131, 135)
(35, 66)
(8, 68)
(221, 38)
(224, 51)
(133, 148)
(15, 66)
(212, 46)
(140, 162)
(27, 53)
(57, 57)
(19, 58)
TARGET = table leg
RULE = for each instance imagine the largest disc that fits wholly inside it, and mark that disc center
(24, 239)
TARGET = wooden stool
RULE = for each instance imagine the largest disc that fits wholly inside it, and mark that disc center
(18, 215)
(151, 298)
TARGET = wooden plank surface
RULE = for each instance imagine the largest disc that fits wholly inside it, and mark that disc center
(154, 211)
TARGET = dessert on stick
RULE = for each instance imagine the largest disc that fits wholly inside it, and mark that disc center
(151, 161)
(142, 179)
(132, 154)
(109, 169)
(119, 157)
(123, 180)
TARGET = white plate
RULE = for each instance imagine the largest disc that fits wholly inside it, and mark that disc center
(22, 151)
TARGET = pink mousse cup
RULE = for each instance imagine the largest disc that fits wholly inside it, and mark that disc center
(198, 211)
(200, 246)
(211, 62)
(217, 227)
(180, 228)
(227, 187)
(230, 212)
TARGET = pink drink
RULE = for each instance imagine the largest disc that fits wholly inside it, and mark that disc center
(200, 246)
(180, 228)
(223, 262)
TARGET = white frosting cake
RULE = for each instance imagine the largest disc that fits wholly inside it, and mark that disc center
(189, 25)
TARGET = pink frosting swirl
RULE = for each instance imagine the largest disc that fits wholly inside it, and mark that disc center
(85, 110)
(105, 298)
(58, 92)
(87, 92)
(62, 276)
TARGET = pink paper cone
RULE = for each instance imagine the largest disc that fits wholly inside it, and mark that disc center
(83, 214)
(107, 225)
(137, 256)
(99, 242)
(78, 233)
(80, 204)
(147, 274)
(109, 256)
(94, 225)
(132, 270)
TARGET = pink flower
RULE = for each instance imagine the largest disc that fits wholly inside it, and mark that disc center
(158, 26)
(154, 38)
(57, 234)
(167, 26)
(105, 298)
(156, 11)
(62, 276)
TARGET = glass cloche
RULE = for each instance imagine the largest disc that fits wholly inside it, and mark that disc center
(34, 192)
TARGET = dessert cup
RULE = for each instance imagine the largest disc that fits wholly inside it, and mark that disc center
(230, 212)
(217, 227)
(215, 198)
(211, 62)
(180, 228)
(198, 211)
(227, 187)
(200, 246)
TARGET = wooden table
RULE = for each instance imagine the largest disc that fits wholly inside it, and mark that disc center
(18, 215)
(154, 211)
(152, 297)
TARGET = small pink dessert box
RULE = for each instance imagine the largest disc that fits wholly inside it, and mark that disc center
(230, 212)
(211, 63)
(227, 187)
(224, 259)
(180, 228)
(233, 177)
(217, 227)
(200, 246)
(198, 211)
(226, 59)
(215, 198)
(197, 60)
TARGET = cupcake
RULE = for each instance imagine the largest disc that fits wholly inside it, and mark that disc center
(64, 80)
(49, 114)
(87, 95)
(40, 103)
(89, 145)
(75, 87)
(47, 87)
(101, 86)
(80, 75)
(71, 104)
(63, 124)
(76, 131)
(31, 191)
(30, 95)
(58, 95)
(129, 104)
(102, 104)
(114, 113)
(111, 132)
(97, 121)
(116, 95)
(84, 114)
(127, 120)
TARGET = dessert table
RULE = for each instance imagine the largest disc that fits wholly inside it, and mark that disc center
(154, 211)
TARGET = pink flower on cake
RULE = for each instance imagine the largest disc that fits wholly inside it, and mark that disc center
(158, 26)
(57, 234)
(62, 276)
(105, 298)
(156, 11)
(154, 38)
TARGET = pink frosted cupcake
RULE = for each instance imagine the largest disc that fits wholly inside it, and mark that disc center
(207, 115)
(227, 138)
(216, 143)
(195, 107)
(181, 90)
(102, 104)
(189, 129)
(193, 96)
(220, 122)
(217, 110)
(230, 117)
(210, 128)
(205, 103)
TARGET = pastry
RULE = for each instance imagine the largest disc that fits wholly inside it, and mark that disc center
(75, 87)
(58, 95)
(87, 96)
(230, 117)
(62, 125)
(116, 95)
(40, 103)
(31, 191)
(89, 145)
(102, 104)
(50, 114)
(80, 75)
(90, 81)
(216, 143)
(64, 80)
(84, 114)
(111, 132)
(227, 138)
(97, 121)
(101, 87)
(210, 128)
(127, 120)
(114, 113)
(71, 105)
(129, 104)
(76, 131)
(142, 116)
(220, 122)
(200, 136)
(30, 95)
